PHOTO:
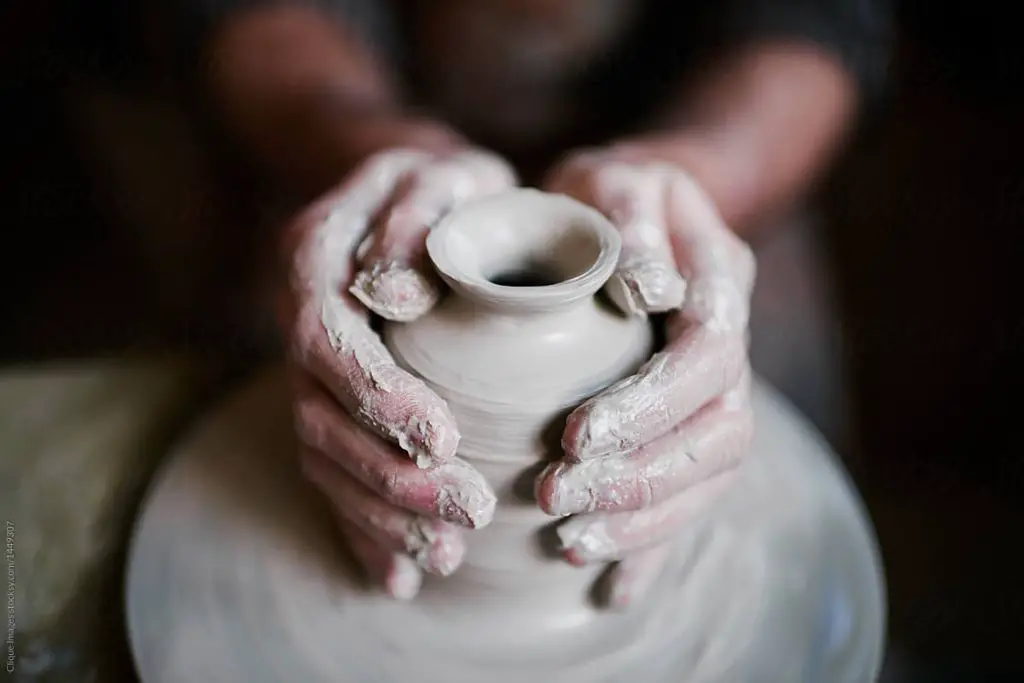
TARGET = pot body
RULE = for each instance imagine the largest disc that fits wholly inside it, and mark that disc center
(512, 360)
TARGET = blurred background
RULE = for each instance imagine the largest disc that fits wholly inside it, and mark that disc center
(920, 224)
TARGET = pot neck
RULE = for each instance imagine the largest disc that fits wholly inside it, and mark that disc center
(524, 252)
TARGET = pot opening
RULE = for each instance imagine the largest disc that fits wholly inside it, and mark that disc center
(532, 275)
(524, 250)
(559, 254)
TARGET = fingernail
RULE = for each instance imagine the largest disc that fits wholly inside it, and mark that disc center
(624, 592)
(436, 549)
(574, 558)
(403, 578)
(631, 579)
(623, 588)
(595, 430)
(465, 501)
(446, 556)
(622, 417)
(619, 597)
(566, 489)
(395, 291)
(587, 540)
(647, 286)
(429, 440)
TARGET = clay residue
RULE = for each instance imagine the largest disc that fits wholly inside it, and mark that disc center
(608, 483)
(403, 578)
(383, 393)
(395, 291)
(643, 285)
(378, 394)
(590, 539)
(617, 420)
(465, 501)
(437, 548)
(718, 304)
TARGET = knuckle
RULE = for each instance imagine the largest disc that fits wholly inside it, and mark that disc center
(390, 485)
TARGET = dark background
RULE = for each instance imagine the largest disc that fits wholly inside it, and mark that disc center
(924, 217)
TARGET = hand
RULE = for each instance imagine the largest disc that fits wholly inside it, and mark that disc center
(644, 456)
(375, 440)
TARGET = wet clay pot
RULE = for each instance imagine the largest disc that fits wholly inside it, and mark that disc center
(522, 338)
(237, 575)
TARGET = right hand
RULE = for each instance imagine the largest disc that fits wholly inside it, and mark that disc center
(376, 440)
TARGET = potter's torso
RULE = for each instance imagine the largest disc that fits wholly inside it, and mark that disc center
(542, 74)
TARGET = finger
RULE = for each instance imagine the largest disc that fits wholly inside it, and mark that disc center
(647, 279)
(712, 441)
(396, 281)
(336, 345)
(707, 346)
(437, 546)
(321, 241)
(451, 491)
(395, 572)
(695, 368)
(330, 335)
(610, 536)
(719, 267)
(632, 577)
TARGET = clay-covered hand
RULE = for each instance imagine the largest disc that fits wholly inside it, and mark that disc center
(375, 440)
(646, 455)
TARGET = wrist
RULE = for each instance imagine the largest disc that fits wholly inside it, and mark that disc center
(306, 100)
(727, 164)
(345, 137)
(757, 128)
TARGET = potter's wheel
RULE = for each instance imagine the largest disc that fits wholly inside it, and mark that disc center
(236, 575)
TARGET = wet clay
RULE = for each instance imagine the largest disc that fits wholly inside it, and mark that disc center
(520, 341)
(237, 573)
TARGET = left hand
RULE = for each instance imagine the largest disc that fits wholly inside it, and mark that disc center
(647, 454)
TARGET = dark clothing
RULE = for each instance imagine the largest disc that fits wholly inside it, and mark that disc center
(856, 30)
(613, 92)
(668, 38)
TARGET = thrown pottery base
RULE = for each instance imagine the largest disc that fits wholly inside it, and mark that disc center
(237, 575)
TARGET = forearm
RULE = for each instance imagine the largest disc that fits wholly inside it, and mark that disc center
(306, 98)
(756, 128)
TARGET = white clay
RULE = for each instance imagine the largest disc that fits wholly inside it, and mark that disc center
(385, 399)
(324, 260)
(393, 283)
(511, 361)
(237, 573)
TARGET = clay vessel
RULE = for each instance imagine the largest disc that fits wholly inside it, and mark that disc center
(236, 574)
(523, 337)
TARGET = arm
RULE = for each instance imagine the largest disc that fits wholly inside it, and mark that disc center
(305, 89)
(778, 94)
(308, 97)
(756, 129)
(745, 138)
